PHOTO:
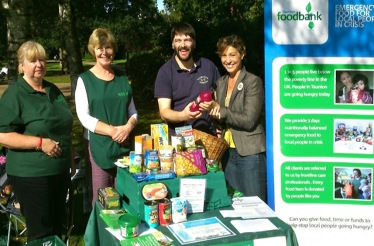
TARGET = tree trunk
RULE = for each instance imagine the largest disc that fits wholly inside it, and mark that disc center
(19, 21)
(74, 57)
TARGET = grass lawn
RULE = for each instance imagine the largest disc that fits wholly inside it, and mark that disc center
(148, 114)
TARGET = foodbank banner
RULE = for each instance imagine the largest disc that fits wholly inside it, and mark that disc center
(319, 80)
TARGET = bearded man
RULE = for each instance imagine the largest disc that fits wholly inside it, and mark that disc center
(180, 81)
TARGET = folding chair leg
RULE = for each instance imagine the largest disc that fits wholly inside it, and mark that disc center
(15, 227)
(9, 228)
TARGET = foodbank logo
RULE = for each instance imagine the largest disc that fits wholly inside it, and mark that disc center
(308, 16)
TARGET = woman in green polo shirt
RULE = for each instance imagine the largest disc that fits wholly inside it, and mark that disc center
(35, 125)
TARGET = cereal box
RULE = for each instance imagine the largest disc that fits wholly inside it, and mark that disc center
(187, 133)
(108, 198)
(160, 134)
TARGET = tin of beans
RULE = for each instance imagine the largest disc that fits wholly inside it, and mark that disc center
(164, 211)
(151, 214)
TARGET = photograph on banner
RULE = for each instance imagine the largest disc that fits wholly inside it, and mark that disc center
(326, 85)
(326, 183)
(353, 136)
(329, 135)
(353, 183)
(354, 86)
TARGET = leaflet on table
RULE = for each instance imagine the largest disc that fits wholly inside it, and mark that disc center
(193, 190)
(143, 230)
(278, 241)
(253, 225)
(111, 217)
(152, 239)
(249, 208)
(200, 230)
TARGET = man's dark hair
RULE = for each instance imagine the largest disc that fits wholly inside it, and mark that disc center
(183, 28)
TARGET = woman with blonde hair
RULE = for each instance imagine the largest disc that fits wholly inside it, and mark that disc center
(106, 109)
(35, 125)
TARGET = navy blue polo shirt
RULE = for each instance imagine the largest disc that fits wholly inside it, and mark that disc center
(183, 86)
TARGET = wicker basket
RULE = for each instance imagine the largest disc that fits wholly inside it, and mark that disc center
(215, 147)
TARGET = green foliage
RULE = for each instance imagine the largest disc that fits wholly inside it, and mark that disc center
(143, 34)
(142, 72)
(3, 37)
(215, 19)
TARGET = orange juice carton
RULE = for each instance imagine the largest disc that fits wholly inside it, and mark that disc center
(142, 143)
(160, 134)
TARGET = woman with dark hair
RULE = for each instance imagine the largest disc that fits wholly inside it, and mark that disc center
(238, 109)
(344, 77)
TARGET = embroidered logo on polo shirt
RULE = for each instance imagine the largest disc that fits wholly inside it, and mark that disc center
(61, 99)
(123, 94)
(203, 79)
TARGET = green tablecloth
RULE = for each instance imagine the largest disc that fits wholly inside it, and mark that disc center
(97, 235)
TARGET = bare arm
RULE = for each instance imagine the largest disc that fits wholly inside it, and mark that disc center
(169, 115)
(14, 140)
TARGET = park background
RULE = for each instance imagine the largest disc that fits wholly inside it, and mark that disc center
(142, 29)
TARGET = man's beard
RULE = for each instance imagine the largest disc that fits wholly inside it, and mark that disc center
(176, 50)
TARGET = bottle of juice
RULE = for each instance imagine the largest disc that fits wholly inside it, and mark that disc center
(204, 96)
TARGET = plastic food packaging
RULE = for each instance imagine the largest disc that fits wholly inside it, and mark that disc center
(189, 163)
(144, 176)
(129, 224)
(154, 191)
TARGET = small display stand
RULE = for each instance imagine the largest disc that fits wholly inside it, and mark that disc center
(130, 191)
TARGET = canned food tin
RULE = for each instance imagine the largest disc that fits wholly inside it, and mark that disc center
(190, 149)
(151, 214)
(166, 163)
(179, 148)
(202, 148)
(151, 159)
(177, 140)
(164, 211)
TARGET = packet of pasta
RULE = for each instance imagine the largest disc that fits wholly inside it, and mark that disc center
(189, 163)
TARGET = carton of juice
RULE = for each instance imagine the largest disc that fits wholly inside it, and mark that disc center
(142, 143)
(160, 134)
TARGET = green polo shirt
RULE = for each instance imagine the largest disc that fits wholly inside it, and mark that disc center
(33, 113)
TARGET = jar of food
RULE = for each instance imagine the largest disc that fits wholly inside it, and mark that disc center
(129, 225)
